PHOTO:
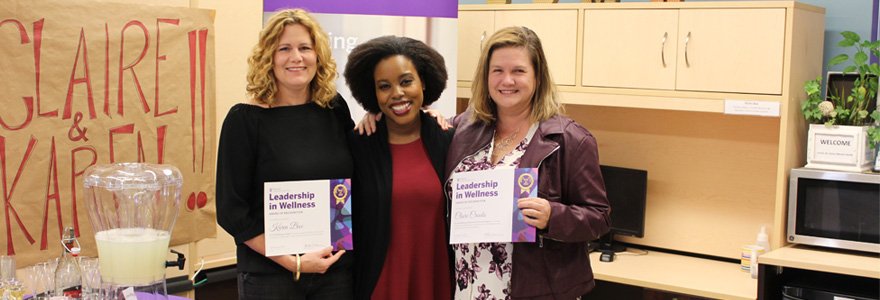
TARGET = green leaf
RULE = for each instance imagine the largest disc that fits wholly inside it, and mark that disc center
(846, 43)
(874, 135)
(838, 59)
(849, 35)
(812, 87)
(849, 69)
(860, 58)
(874, 68)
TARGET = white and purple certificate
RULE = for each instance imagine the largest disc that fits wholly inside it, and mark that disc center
(303, 216)
(484, 205)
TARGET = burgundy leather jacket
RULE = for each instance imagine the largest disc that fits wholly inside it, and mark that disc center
(566, 155)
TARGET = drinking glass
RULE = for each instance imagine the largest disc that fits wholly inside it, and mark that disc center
(32, 276)
(91, 278)
(7, 268)
(49, 272)
(42, 283)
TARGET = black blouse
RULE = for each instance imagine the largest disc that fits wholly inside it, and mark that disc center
(258, 145)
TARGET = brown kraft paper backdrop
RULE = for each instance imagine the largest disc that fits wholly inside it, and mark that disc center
(84, 83)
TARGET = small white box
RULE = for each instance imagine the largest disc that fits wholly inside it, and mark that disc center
(842, 148)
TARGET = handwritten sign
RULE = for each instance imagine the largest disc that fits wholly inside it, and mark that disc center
(87, 83)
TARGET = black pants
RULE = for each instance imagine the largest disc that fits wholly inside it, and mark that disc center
(336, 284)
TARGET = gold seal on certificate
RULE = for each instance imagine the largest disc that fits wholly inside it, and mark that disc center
(340, 192)
(525, 182)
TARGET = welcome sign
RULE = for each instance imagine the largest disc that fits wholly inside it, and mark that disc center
(843, 148)
(87, 83)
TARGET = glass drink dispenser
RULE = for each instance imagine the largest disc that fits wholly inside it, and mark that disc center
(132, 208)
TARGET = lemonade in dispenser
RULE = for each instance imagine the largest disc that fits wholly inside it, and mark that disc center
(132, 208)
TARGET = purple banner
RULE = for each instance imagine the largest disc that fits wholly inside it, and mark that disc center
(875, 21)
(420, 8)
(526, 186)
(340, 214)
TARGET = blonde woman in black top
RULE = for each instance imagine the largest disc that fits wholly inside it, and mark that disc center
(293, 129)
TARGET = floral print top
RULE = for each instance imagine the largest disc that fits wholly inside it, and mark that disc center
(482, 270)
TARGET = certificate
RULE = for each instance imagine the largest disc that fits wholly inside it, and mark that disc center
(484, 205)
(303, 216)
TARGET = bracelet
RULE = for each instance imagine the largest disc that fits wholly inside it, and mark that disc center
(298, 268)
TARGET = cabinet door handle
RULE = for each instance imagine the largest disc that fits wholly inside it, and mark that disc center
(663, 49)
(482, 37)
(686, 40)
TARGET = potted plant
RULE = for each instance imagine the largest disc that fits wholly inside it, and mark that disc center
(845, 127)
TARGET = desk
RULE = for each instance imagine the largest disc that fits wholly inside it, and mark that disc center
(819, 267)
(677, 273)
(824, 260)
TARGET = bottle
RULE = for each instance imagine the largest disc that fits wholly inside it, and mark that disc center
(762, 239)
(763, 244)
(68, 275)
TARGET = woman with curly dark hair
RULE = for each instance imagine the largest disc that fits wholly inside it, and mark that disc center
(398, 172)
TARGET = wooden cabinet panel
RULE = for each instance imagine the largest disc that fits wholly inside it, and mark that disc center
(473, 28)
(556, 28)
(731, 50)
(713, 50)
(630, 48)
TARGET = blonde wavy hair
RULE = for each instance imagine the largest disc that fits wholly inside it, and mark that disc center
(544, 103)
(262, 85)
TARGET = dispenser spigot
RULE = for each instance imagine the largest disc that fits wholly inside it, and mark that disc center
(180, 263)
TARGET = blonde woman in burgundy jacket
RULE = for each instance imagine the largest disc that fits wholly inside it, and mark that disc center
(514, 119)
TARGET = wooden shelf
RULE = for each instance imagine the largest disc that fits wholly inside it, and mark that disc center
(677, 273)
(824, 260)
(644, 99)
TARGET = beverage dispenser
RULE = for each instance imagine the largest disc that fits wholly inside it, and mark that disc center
(132, 208)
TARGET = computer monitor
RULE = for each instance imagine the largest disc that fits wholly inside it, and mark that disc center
(627, 191)
(840, 84)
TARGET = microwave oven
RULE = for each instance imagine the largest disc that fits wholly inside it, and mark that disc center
(834, 209)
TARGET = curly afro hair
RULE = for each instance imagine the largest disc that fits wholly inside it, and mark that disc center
(363, 60)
